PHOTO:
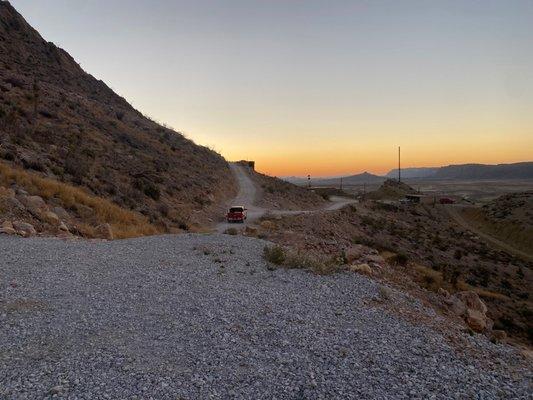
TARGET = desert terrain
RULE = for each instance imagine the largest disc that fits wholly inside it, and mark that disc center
(121, 278)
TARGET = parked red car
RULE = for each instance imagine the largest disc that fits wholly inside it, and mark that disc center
(236, 214)
(446, 200)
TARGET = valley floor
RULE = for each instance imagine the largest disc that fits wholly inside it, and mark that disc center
(204, 316)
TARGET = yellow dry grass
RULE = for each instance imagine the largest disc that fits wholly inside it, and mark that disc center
(124, 223)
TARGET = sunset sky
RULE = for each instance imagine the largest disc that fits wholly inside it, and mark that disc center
(315, 87)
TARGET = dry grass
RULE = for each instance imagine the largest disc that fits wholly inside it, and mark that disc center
(430, 279)
(124, 223)
(487, 294)
(300, 260)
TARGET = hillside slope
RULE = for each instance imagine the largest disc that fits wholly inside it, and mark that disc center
(508, 218)
(64, 124)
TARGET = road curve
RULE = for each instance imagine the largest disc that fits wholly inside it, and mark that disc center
(247, 197)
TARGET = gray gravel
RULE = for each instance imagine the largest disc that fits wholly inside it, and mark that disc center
(200, 316)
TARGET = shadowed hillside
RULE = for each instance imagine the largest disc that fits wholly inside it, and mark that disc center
(62, 123)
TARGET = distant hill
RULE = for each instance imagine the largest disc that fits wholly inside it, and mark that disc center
(61, 123)
(357, 179)
(391, 189)
(523, 170)
(413, 172)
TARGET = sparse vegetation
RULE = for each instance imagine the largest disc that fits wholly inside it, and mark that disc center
(125, 223)
(300, 260)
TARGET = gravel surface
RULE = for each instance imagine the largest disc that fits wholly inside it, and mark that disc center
(201, 316)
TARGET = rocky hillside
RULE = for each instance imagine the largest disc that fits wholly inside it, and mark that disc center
(61, 123)
(417, 247)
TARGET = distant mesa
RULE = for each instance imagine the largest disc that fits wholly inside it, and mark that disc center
(522, 170)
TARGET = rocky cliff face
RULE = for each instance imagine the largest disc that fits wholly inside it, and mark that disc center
(60, 122)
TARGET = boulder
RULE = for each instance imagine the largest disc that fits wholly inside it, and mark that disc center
(34, 204)
(468, 305)
(104, 231)
(61, 212)
(63, 227)
(24, 229)
(14, 204)
(7, 228)
(456, 305)
(355, 252)
(51, 218)
(84, 211)
(476, 320)
(499, 336)
(472, 301)
(361, 269)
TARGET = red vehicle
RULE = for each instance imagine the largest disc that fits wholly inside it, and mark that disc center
(236, 214)
(446, 200)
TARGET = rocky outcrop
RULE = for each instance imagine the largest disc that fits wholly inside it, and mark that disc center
(7, 228)
(471, 308)
(24, 229)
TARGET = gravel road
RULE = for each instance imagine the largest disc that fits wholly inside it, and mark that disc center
(202, 317)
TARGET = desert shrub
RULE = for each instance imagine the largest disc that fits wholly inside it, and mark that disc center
(296, 259)
(152, 191)
(400, 259)
(274, 254)
(429, 278)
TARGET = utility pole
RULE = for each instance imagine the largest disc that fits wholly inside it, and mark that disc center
(309, 181)
(399, 167)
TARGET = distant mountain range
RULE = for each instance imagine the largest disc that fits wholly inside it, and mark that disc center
(522, 170)
(413, 172)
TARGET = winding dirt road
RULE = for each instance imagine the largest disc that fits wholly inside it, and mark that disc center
(247, 197)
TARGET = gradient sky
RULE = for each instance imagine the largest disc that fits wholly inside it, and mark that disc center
(318, 87)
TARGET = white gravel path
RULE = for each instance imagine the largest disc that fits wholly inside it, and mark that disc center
(201, 317)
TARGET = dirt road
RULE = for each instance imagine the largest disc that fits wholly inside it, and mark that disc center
(247, 197)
